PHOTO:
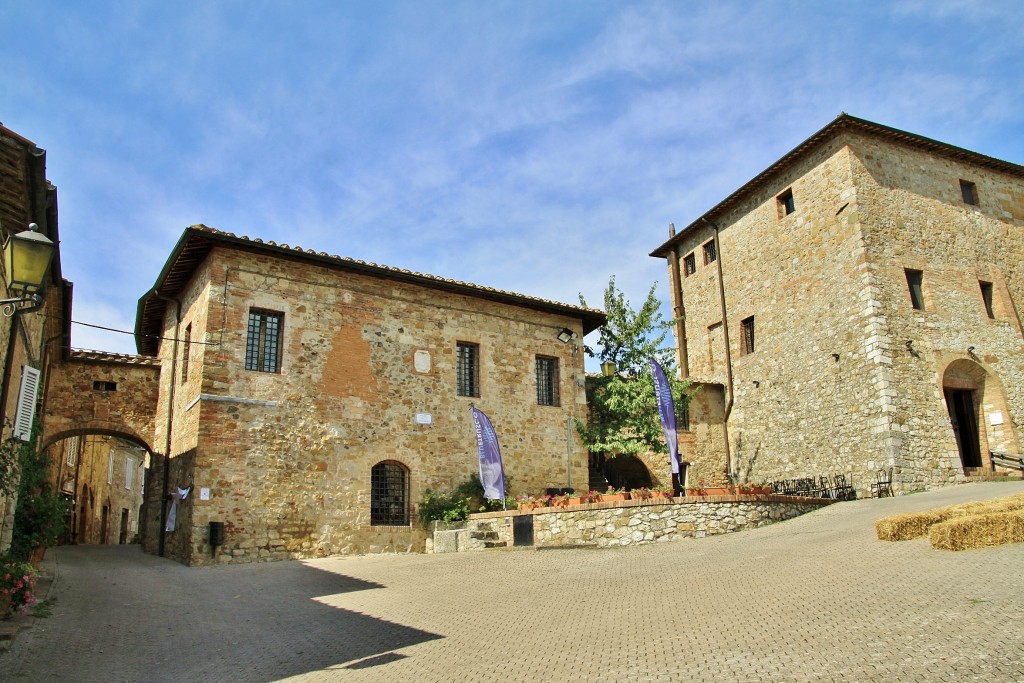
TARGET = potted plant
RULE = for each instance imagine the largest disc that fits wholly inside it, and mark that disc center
(698, 489)
(642, 493)
(17, 579)
(613, 494)
(592, 497)
(661, 491)
(560, 500)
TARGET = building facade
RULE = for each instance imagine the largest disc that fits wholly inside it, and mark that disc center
(308, 401)
(28, 336)
(855, 307)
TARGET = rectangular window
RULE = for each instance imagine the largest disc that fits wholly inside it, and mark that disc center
(683, 418)
(71, 450)
(467, 371)
(915, 282)
(185, 353)
(263, 343)
(689, 265)
(786, 203)
(986, 295)
(710, 254)
(547, 381)
(129, 473)
(100, 385)
(748, 335)
(969, 191)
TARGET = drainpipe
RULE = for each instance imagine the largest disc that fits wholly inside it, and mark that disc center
(678, 309)
(728, 352)
(170, 420)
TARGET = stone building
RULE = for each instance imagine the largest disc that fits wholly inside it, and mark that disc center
(103, 478)
(307, 401)
(29, 335)
(855, 307)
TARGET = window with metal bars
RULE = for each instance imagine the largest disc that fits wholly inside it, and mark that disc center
(467, 371)
(689, 265)
(710, 253)
(263, 342)
(547, 381)
(748, 335)
(389, 494)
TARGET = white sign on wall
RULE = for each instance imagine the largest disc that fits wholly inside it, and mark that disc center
(204, 494)
(424, 419)
(996, 418)
(421, 361)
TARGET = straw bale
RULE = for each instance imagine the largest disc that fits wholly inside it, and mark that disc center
(916, 524)
(978, 531)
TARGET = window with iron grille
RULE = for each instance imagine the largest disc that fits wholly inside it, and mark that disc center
(547, 381)
(263, 342)
(748, 335)
(710, 254)
(467, 371)
(185, 352)
(683, 418)
(689, 265)
(915, 283)
(389, 494)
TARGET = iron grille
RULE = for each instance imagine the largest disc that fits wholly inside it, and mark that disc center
(468, 369)
(389, 494)
(748, 335)
(263, 343)
(547, 385)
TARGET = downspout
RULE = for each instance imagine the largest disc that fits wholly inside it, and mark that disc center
(678, 309)
(170, 420)
(728, 352)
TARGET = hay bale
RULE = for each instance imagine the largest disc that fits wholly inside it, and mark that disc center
(917, 524)
(978, 531)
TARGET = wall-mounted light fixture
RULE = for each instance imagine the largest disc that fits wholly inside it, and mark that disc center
(970, 352)
(566, 335)
(835, 357)
(26, 256)
(608, 368)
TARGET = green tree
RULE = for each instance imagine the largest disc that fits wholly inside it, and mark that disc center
(623, 409)
(40, 517)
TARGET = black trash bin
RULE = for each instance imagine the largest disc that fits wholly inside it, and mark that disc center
(216, 535)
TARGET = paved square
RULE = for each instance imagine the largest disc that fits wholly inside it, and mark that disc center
(816, 598)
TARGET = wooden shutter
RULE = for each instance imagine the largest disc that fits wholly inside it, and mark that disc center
(26, 403)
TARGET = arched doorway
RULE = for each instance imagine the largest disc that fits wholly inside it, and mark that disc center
(626, 472)
(978, 414)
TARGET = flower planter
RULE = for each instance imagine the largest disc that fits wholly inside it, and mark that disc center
(577, 500)
(612, 497)
(717, 491)
(660, 494)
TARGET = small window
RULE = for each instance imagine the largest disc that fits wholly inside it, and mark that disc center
(710, 254)
(786, 203)
(689, 265)
(71, 450)
(986, 296)
(683, 418)
(969, 191)
(748, 335)
(389, 494)
(547, 381)
(185, 353)
(263, 342)
(467, 371)
(100, 385)
(915, 282)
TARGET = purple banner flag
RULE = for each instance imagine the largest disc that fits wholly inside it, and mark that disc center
(492, 474)
(667, 408)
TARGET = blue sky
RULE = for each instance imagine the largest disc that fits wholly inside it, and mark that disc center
(538, 147)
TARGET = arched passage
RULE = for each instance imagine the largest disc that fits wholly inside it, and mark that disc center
(978, 413)
(627, 472)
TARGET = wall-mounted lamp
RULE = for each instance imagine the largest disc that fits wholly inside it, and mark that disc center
(970, 352)
(27, 256)
(757, 384)
(835, 357)
(608, 368)
(566, 335)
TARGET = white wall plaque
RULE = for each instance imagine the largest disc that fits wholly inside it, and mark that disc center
(421, 361)
(204, 494)
(424, 419)
(996, 418)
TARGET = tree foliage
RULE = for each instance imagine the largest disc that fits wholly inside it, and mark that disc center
(623, 408)
(40, 517)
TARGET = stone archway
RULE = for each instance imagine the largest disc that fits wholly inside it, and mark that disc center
(975, 402)
(627, 471)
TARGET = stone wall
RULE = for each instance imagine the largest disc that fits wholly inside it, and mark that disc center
(831, 385)
(367, 375)
(633, 522)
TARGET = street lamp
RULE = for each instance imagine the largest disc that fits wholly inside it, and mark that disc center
(608, 368)
(27, 256)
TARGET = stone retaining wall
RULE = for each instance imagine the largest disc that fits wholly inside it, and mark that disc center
(630, 522)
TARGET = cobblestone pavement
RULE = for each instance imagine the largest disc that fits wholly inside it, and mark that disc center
(816, 598)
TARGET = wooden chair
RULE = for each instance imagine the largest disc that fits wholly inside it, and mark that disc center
(883, 483)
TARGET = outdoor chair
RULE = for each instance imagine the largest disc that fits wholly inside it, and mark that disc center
(840, 489)
(883, 483)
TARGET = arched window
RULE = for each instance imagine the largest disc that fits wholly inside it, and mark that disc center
(389, 494)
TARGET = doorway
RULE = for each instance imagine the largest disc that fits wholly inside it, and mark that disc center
(963, 417)
(123, 537)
